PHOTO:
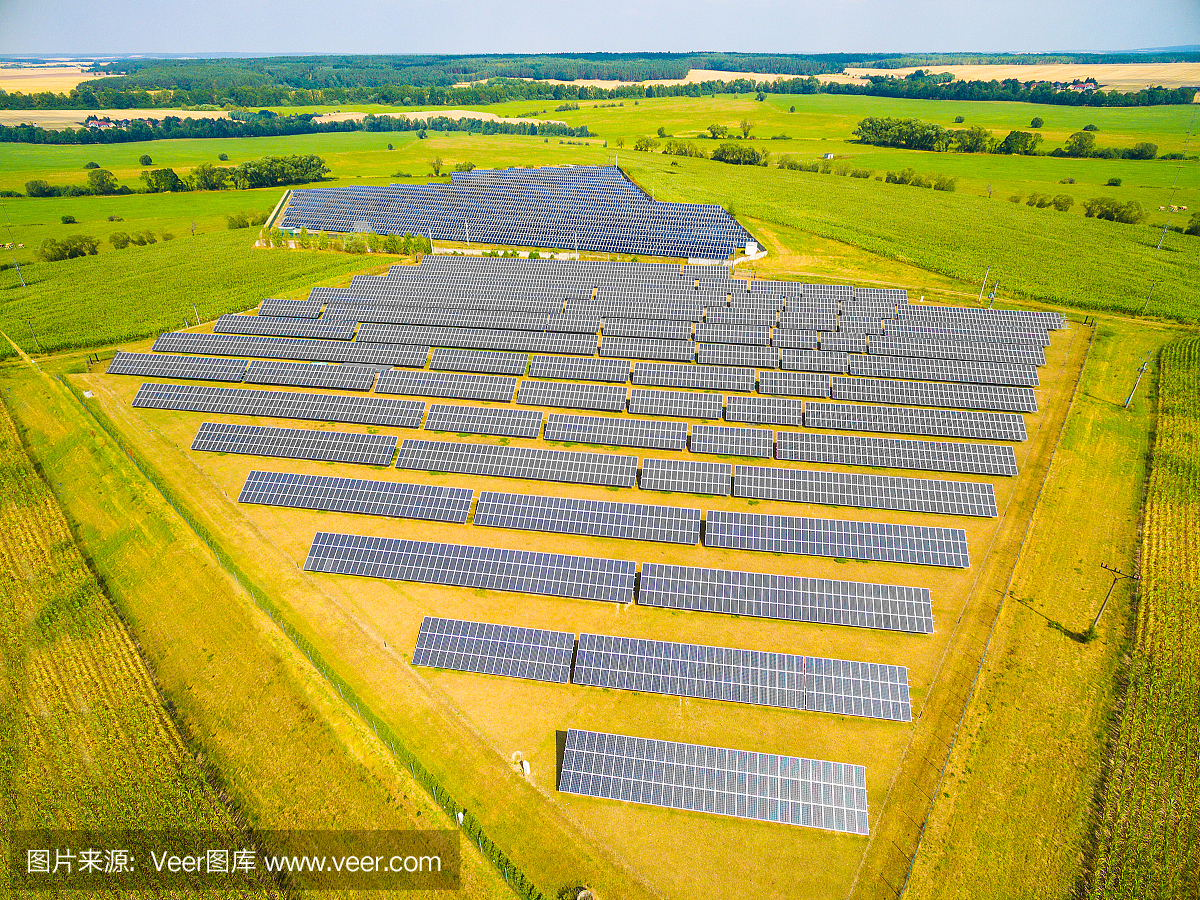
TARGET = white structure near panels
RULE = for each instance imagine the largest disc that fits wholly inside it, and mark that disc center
(347, 377)
(952, 498)
(959, 370)
(685, 476)
(358, 495)
(832, 361)
(712, 378)
(736, 355)
(765, 410)
(617, 432)
(934, 393)
(157, 365)
(571, 466)
(684, 404)
(290, 348)
(966, 423)
(503, 421)
(281, 404)
(592, 518)
(730, 440)
(607, 397)
(784, 789)
(793, 384)
(580, 368)
(488, 649)
(296, 443)
(489, 568)
(790, 597)
(896, 453)
(459, 385)
(920, 545)
(489, 362)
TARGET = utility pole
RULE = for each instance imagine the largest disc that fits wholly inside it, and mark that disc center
(1146, 305)
(992, 295)
(1117, 576)
(1161, 236)
(29, 322)
(197, 314)
(983, 287)
(1129, 399)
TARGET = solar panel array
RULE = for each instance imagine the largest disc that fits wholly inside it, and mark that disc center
(575, 368)
(281, 404)
(488, 649)
(345, 376)
(765, 410)
(291, 348)
(907, 420)
(960, 370)
(713, 378)
(462, 419)
(155, 365)
(686, 476)
(459, 385)
(281, 327)
(534, 463)
(592, 518)
(489, 362)
(793, 384)
(648, 348)
(477, 338)
(933, 393)
(730, 440)
(832, 361)
(300, 309)
(920, 545)
(490, 568)
(954, 350)
(296, 443)
(685, 404)
(607, 397)
(357, 495)
(615, 432)
(763, 786)
(897, 453)
(736, 355)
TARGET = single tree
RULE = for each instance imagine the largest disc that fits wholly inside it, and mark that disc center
(747, 126)
(1037, 122)
(68, 220)
(145, 160)
(101, 181)
(436, 165)
(1080, 144)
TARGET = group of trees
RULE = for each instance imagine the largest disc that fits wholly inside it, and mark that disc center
(1130, 212)
(914, 134)
(824, 166)
(741, 154)
(911, 177)
(76, 245)
(100, 182)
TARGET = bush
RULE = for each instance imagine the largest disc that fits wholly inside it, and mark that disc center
(740, 155)
(1090, 127)
(566, 107)
(1130, 213)
(662, 132)
(145, 160)
(10, 193)
(944, 183)
(464, 166)
(246, 219)
(1193, 226)
(115, 218)
(645, 144)
(1113, 182)
(1041, 201)
(1142, 150)
(1067, 181)
(1063, 202)
(223, 157)
(860, 173)
(1015, 198)
(142, 238)
(119, 239)
(91, 165)
(40, 188)
(167, 236)
(786, 162)
(390, 147)
(68, 220)
(68, 248)
(958, 120)
(793, 109)
(1037, 122)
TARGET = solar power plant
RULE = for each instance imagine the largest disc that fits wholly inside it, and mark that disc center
(790, 597)
(295, 443)
(593, 208)
(887, 295)
(478, 338)
(714, 333)
(966, 423)
(489, 649)
(686, 477)
(614, 432)
(736, 355)
(933, 393)
(887, 346)
(156, 365)
(299, 309)
(489, 362)
(896, 453)
(647, 328)
(280, 327)
(796, 339)
(788, 790)
(713, 378)
(490, 568)
(462, 386)
(803, 320)
(575, 323)
(727, 440)
(833, 361)
(462, 419)
(793, 384)
(951, 498)
(743, 316)
(591, 518)
(920, 545)
(846, 341)
(504, 319)
(290, 348)
(833, 291)
(570, 466)
(281, 404)
(357, 495)
(580, 368)
(631, 309)
(1024, 319)
(298, 374)
(608, 397)
(760, 678)
(860, 324)
(983, 334)
(647, 348)
(765, 410)
(960, 370)
(686, 404)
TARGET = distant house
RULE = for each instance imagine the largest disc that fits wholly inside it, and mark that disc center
(827, 156)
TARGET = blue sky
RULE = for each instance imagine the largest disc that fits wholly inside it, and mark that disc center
(472, 26)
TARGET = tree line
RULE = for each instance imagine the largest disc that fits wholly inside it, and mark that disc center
(914, 134)
(270, 171)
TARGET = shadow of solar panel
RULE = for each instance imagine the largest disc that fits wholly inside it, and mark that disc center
(580, 368)
(927, 393)
(850, 688)
(783, 789)
(647, 348)
(489, 568)
(736, 355)
(897, 453)
(156, 365)
(796, 338)
(607, 397)
(300, 309)
(887, 346)
(290, 348)
(357, 495)
(488, 649)
(728, 440)
(955, 370)
(907, 420)
(713, 378)
(498, 388)
(292, 374)
(793, 384)
(684, 404)
(281, 327)
(919, 545)
(281, 404)
(765, 410)
(685, 476)
(502, 421)
(295, 443)
(951, 498)
(832, 361)
(616, 432)
(491, 362)
(592, 518)
(789, 597)
(534, 463)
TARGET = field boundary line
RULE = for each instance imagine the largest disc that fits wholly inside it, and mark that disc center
(996, 618)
